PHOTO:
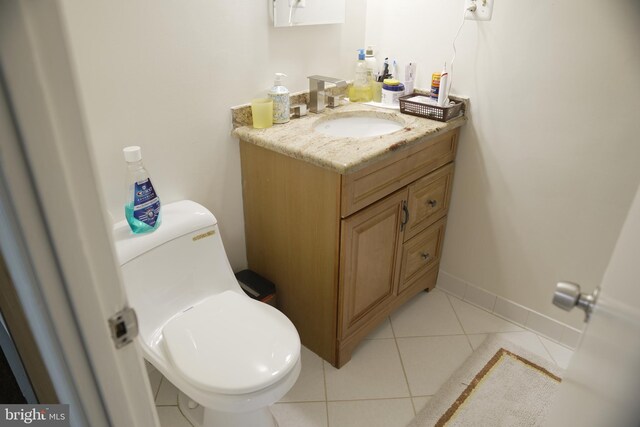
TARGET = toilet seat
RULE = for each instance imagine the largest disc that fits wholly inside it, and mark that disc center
(230, 344)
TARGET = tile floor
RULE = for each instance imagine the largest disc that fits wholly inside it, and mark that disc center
(392, 374)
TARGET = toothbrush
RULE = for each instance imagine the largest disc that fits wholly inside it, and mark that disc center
(395, 70)
(385, 71)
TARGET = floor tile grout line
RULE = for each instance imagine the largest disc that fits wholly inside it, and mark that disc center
(185, 417)
(375, 398)
(326, 392)
(280, 402)
(177, 405)
(158, 390)
(506, 319)
(393, 332)
(555, 341)
(523, 327)
(547, 350)
(434, 336)
(456, 314)
(172, 385)
(460, 323)
(513, 322)
(404, 371)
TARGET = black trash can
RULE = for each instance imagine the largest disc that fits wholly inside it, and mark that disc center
(257, 287)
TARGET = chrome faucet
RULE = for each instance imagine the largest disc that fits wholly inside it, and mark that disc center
(316, 91)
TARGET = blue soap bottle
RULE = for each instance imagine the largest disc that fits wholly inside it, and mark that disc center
(142, 208)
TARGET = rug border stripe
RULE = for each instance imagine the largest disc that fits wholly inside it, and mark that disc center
(446, 417)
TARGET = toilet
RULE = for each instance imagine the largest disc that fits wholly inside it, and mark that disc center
(230, 354)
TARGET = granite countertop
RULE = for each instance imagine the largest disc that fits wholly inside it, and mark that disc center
(344, 155)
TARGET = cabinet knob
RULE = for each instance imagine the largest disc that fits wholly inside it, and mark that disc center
(425, 255)
(432, 203)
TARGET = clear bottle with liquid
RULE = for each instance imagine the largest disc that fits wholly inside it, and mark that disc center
(371, 62)
(360, 90)
(142, 207)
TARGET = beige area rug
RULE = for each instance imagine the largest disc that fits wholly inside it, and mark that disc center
(500, 384)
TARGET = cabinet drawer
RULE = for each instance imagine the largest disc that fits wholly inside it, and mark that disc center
(420, 253)
(363, 187)
(428, 200)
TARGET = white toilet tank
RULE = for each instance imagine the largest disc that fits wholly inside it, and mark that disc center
(169, 270)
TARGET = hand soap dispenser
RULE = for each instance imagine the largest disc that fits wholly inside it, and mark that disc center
(361, 89)
(280, 96)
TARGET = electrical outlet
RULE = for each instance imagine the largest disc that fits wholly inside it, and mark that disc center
(483, 10)
(297, 3)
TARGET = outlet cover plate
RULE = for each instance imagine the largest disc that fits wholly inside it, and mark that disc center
(484, 10)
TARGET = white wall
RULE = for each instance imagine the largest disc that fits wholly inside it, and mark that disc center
(546, 168)
(163, 74)
(549, 163)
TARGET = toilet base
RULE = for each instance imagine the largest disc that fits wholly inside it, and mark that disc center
(206, 417)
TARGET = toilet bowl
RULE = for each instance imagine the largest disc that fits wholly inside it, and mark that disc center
(232, 355)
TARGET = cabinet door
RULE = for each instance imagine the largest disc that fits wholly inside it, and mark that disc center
(370, 251)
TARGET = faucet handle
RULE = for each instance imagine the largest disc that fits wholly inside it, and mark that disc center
(299, 110)
(334, 101)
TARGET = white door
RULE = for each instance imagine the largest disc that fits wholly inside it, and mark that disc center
(602, 384)
(53, 227)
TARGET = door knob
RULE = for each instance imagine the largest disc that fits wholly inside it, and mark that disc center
(568, 295)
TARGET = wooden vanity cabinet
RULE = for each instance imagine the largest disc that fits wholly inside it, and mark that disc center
(345, 250)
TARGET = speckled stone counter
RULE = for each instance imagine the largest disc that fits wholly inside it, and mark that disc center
(299, 140)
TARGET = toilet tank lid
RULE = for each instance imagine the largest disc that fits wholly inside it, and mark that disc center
(178, 219)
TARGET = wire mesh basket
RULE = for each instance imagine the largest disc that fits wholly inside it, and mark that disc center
(422, 106)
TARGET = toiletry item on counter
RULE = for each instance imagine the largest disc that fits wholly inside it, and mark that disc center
(376, 91)
(360, 91)
(385, 71)
(392, 90)
(262, 112)
(443, 93)
(396, 75)
(409, 77)
(373, 75)
(426, 106)
(142, 206)
(423, 99)
(280, 96)
(372, 63)
(435, 85)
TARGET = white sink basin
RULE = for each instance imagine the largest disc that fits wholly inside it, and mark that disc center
(357, 126)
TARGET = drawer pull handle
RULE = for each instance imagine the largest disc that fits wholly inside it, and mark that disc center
(425, 255)
(405, 218)
(432, 203)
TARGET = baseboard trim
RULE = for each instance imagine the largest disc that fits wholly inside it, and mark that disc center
(522, 316)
